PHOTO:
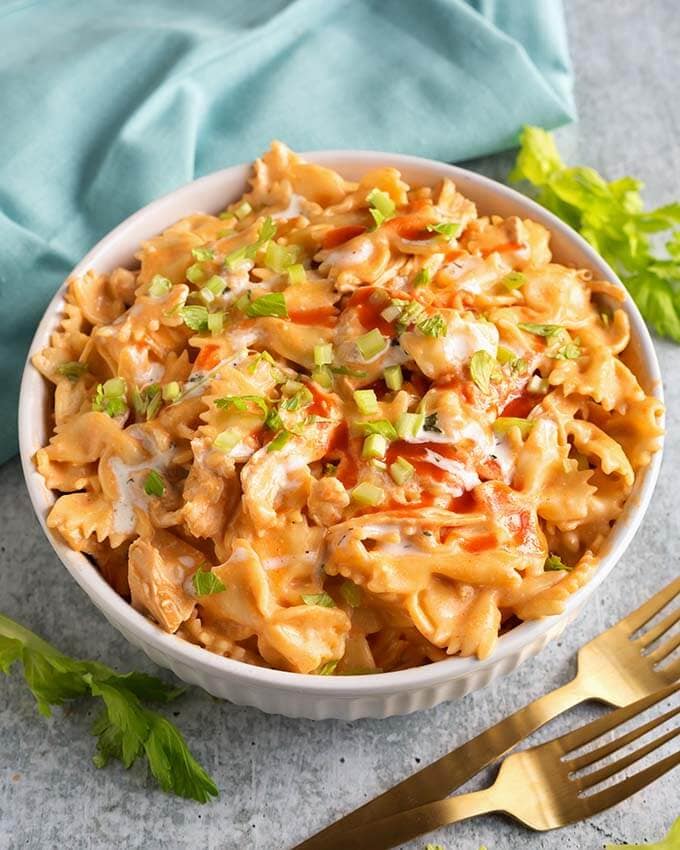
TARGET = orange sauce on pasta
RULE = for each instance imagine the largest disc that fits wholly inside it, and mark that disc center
(208, 357)
(341, 235)
(479, 544)
(503, 249)
(520, 407)
(324, 316)
(463, 504)
(416, 455)
(368, 312)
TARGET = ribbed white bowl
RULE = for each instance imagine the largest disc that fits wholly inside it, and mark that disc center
(293, 694)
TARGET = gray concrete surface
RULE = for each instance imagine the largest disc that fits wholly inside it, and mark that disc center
(280, 778)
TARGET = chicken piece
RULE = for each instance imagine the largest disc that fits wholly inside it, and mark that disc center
(326, 501)
(439, 356)
(278, 482)
(157, 571)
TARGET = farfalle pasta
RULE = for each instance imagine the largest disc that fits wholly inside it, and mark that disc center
(343, 427)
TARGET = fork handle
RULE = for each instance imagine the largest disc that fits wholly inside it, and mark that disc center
(402, 827)
(443, 776)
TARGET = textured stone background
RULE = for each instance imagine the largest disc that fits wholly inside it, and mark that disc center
(281, 778)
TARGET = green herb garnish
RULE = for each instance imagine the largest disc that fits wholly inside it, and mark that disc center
(241, 402)
(482, 367)
(271, 304)
(73, 370)
(110, 397)
(447, 229)
(126, 730)
(322, 599)
(154, 484)
(206, 583)
(611, 216)
(554, 562)
(541, 330)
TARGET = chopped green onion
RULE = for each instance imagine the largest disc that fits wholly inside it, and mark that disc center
(278, 258)
(323, 354)
(392, 312)
(540, 330)
(367, 494)
(271, 304)
(322, 599)
(371, 344)
(215, 284)
(206, 583)
(351, 593)
(514, 280)
(249, 252)
(301, 398)
(216, 322)
(171, 391)
(554, 562)
(448, 229)
(422, 278)
(147, 403)
(380, 426)
(272, 420)
(279, 441)
(242, 301)
(159, 286)
(225, 215)
(243, 211)
(504, 424)
(538, 385)
(226, 440)
(382, 207)
(206, 295)
(366, 401)
(401, 470)
(570, 351)
(345, 370)
(378, 464)
(394, 378)
(433, 326)
(327, 669)
(409, 425)
(114, 387)
(323, 377)
(110, 397)
(195, 317)
(375, 445)
(410, 313)
(195, 273)
(482, 367)
(296, 274)
(202, 254)
(73, 370)
(505, 355)
(154, 484)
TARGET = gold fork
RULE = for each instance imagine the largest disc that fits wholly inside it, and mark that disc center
(611, 668)
(536, 786)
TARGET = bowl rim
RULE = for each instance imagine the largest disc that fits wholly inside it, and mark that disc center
(513, 643)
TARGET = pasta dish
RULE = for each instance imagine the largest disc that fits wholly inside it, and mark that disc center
(343, 427)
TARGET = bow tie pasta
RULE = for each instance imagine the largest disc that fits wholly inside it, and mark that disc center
(343, 427)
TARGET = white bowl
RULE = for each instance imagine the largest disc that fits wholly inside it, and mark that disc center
(294, 694)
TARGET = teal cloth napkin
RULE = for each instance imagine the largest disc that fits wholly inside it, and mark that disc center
(107, 104)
